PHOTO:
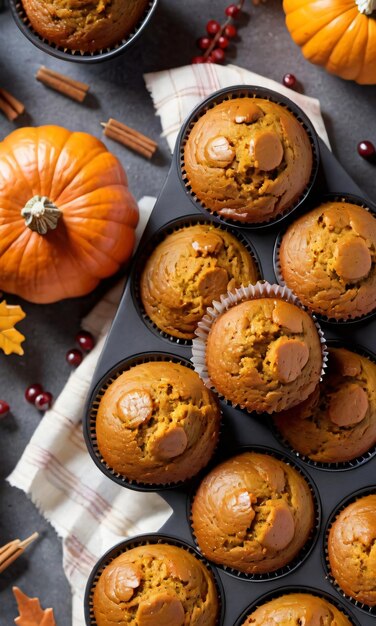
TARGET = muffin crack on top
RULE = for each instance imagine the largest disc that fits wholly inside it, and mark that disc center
(248, 159)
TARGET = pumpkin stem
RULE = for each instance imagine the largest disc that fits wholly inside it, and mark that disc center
(366, 6)
(41, 215)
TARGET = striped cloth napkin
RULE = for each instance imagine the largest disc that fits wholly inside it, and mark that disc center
(90, 513)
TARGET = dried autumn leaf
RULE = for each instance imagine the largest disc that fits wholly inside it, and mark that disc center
(10, 338)
(31, 612)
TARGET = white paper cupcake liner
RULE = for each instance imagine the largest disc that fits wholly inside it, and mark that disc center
(261, 289)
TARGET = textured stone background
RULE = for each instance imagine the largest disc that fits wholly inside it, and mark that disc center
(118, 90)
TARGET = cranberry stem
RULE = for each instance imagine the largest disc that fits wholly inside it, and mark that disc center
(219, 34)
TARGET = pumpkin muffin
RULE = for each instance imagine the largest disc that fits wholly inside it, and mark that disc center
(264, 355)
(248, 159)
(253, 513)
(352, 550)
(297, 608)
(156, 585)
(187, 271)
(337, 423)
(327, 257)
(84, 25)
(157, 423)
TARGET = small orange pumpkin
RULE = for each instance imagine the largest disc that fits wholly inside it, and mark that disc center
(338, 34)
(67, 217)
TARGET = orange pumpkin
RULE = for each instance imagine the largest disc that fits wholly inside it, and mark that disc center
(67, 217)
(338, 34)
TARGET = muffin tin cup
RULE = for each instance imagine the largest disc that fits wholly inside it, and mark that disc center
(77, 56)
(331, 197)
(161, 235)
(367, 491)
(250, 91)
(310, 543)
(340, 466)
(90, 424)
(282, 591)
(143, 540)
(227, 301)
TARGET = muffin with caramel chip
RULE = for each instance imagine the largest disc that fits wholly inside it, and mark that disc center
(157, 423)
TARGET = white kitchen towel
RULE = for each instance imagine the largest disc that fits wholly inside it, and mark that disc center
(89, 512)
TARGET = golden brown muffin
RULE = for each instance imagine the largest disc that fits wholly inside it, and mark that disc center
(157, 423)
(187, 271)
(248, 159)
(253, 513)
(337, 423)
(156, 585)
(83, 24)
(352, 550)
(264, 354)
(295, 609)
(327, 258)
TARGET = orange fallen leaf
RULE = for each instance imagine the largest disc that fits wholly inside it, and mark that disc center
(31, 612)
(10, 338)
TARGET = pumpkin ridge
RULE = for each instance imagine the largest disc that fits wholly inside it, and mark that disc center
(12, 156)
(317, 25)
(97, 149)
(340, 42)
(327, 32)
(107, 253)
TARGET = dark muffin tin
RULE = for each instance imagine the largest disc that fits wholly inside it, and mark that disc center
(132, 335)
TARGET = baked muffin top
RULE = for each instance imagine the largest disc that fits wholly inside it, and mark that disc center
(83, 24)
(337, 423)
(264, 354)
(156, 585)
(352, 550)
(253, 513)
(295, 609)
(248, 159)
(327, 258)
(157, 423)
(187, 271)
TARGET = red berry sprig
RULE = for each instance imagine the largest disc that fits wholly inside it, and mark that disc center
(36, 395)
(214, 44)
(367, 150)
(4, 408)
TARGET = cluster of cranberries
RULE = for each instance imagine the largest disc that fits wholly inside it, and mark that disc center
(214, 44)
(35, 393)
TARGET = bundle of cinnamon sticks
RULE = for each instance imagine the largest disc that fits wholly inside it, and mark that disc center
(129, 137)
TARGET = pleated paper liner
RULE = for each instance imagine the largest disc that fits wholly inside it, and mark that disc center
(78, 56)
(342, 465)
(282, 591)
(160, 235)
(310, 543)
(330, 197)
(246, 91)
(89, 422)
(262, 289)
(370, 610)
(143, 540)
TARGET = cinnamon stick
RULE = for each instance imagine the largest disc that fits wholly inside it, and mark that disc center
(69, 87)
(129, 137)
(12, 550)
(10, 105)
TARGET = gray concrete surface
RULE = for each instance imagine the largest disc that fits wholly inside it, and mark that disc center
(118, 89)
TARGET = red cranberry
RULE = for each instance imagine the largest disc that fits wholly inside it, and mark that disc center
(223, 42)
(217, 55)
(366, 149)
(232, 10)
(85, 340)
(43, 401)
(213, 27)
(289, 80)
(32, 392)
(204, 43)
(230, 31)
(74, 357)
(4, 408)
(195, 60)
